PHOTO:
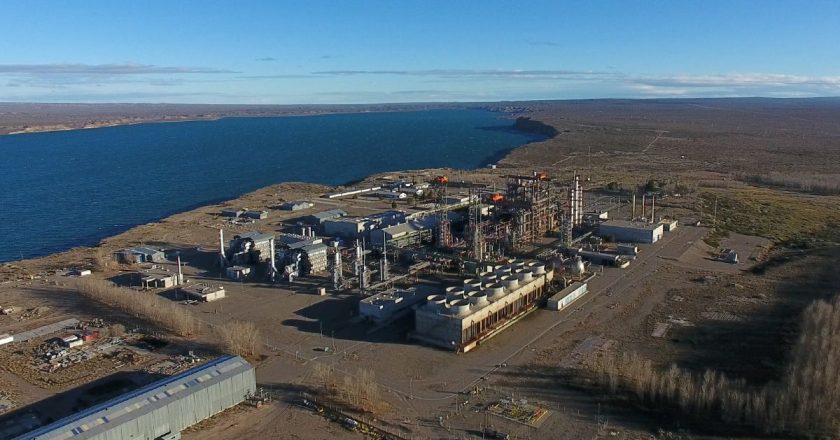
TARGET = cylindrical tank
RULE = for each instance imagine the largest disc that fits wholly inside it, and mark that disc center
(435, 302)
(509, 282)
(460, 307)
(455, 294)
(518, 264)
(495, 291)
(488, 277)
(502, 271)
(577, 266)
(524, 275)
(472, 285)
(478, 299)
(537, 267)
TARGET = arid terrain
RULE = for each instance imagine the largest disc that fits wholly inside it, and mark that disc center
(659, 349)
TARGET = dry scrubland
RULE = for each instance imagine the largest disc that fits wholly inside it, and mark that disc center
(803, 403)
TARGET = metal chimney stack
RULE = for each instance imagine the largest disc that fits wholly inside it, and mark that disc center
(272, 269)
(643, 207)
(652, 209)
(633, 216)
(180, 274)
(222, 258)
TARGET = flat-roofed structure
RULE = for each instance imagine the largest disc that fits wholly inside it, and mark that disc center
(633, 232)
(464, 316)
(565, 297)
(203, 292)
(160, 410)
(388, 304)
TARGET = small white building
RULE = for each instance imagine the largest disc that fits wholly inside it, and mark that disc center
(256, 215)
(203, 292)
(71, 341)
(563, 298)
(388, 304)
(157, 279)
(298, 205)
(669, 224)
(633, 232)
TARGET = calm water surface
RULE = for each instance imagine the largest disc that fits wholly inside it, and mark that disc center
(64, 189)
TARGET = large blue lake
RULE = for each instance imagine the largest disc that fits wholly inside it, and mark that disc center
(71, 188)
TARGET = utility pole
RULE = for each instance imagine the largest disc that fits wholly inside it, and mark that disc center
(714, 216)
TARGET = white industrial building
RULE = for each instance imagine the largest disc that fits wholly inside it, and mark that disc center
(482, 307)
(632, 232)
(347, 227)
(160, 410)
(669, 224)
(404, 234)
(159, 279)
(298, 205)
(320, 217)
(388, 304)
(563, 298)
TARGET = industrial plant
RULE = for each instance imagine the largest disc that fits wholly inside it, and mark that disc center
(488, 254)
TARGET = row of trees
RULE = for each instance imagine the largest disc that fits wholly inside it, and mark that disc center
(359, 391)
(151, 308)
(819, 184)
(805, 402)
(237, 337)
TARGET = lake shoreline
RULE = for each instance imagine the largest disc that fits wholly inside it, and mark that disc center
(72, 248)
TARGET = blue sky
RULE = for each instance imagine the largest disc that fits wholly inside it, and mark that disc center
(277, 52)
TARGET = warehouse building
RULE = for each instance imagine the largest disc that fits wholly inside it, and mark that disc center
(320, 217)
(633, 232)
(160, 410)
(256, 215)
(298, 205)
(232, 212)
(467, 315)
(140, 254)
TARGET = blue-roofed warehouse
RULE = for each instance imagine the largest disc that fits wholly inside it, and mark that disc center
(160, 410)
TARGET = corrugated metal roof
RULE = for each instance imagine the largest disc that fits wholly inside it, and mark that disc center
(330, 213)
(145, 250)
(141, 401)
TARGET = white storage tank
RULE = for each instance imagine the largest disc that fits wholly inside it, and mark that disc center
(472, 285)
(478, 299)
(459, 307)
(488, 277)
(509, 282)
(495, 291)
(435, 302)
(537, 267)
(524, 276)
(454, 294)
